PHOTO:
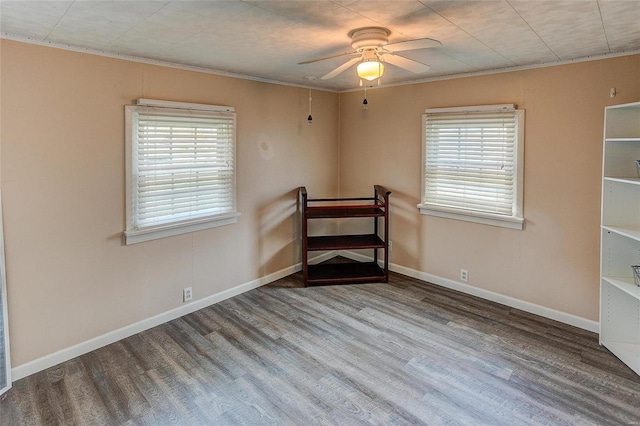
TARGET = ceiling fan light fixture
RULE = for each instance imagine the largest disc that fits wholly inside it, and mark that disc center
(370, 70)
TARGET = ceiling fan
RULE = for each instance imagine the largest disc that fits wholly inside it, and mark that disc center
(372, 49)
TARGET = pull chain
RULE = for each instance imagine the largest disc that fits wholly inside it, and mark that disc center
(310, 118)
(365, 103)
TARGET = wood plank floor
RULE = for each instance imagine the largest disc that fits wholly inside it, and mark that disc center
(403, 353)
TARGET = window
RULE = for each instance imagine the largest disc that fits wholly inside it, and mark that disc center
(472, 164)
(180, 164)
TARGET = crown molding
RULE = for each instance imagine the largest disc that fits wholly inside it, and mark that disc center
(158, 62)
(132, 58)
(499, 70)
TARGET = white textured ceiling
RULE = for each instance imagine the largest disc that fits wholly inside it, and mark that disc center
(266, 39)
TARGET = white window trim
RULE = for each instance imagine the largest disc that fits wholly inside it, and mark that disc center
(148, 234)
(134, 236)
(513, 222)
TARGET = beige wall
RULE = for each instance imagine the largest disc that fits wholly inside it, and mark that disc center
(554, 262)
(62, 172)
(69, 277)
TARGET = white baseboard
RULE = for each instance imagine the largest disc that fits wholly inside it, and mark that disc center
(66, 354)
(82, 348)
(320, 258)
(576, 321)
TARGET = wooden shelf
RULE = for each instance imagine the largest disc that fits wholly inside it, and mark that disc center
(625, 180)
(622, 139)
(620, 242)
(340, 273)
(334, 212)
(344, 242)
(375, 208)
(625, 284)
(632, 232)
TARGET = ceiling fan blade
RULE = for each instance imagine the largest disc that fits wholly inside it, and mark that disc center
(420, 43)
(310, 61)
(407, 64)
(341, 68)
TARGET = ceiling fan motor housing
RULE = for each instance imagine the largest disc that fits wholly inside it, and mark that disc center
(369, 37)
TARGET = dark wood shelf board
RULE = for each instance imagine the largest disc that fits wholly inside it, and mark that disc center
(337, 212)
(338, 242)
(339, 273)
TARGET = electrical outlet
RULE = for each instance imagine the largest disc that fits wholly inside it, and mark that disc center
(187, 294)
(464, 275)
(390, 245)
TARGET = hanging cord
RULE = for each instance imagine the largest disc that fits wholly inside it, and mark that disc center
(365, 103)
(310, 118)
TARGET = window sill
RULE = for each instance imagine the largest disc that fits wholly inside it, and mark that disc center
(476, 217)
(148, 234)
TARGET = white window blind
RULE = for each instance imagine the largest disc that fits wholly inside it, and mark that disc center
(472, 163)
(182, 169)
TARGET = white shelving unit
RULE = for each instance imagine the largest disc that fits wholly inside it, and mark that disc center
(620, 243)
